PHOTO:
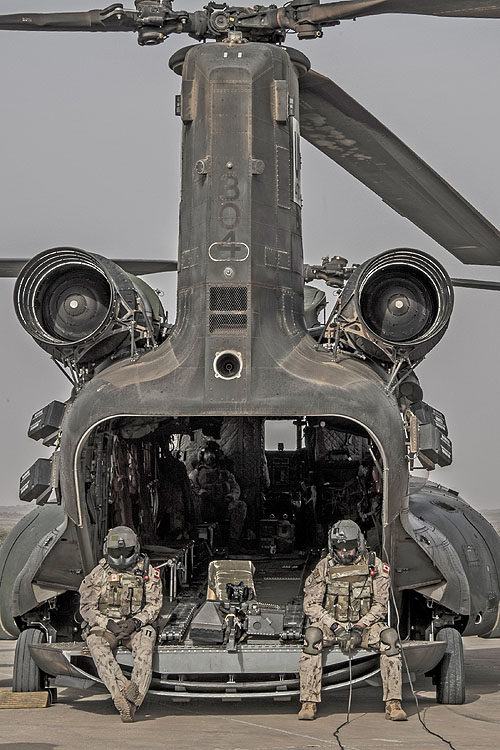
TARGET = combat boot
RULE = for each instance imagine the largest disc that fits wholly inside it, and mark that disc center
(394, 711)
(123, 707)
(308, 711)
(132, 692)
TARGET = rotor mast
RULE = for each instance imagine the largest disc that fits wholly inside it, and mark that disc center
(155, 20)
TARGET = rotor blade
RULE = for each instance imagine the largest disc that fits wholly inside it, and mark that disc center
(476, 284)
(330, 12)
(346, 132)
(11, 267)
(143, 267)
(110, 19)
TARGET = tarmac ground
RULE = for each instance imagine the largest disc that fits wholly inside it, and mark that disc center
(84, 719)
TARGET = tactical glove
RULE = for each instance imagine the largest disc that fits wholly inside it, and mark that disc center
(342, 636)
(127, 627)
(355, 638)
(114, 627)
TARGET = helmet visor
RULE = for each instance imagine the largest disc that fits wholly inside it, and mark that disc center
(117, 552)
(344, 544)
(121, 558)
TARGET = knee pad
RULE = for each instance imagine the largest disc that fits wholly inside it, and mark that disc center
(313, 641)
(390, 638)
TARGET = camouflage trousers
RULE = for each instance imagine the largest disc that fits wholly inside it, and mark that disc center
(232, 514)
(140, 643)
(237, 512)
(311, 666)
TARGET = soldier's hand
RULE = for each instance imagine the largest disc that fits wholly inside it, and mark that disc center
(127, 627)
(114, 627)
(355, 638)
(342, 636)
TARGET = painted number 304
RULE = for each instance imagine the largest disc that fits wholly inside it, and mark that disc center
(229, 212)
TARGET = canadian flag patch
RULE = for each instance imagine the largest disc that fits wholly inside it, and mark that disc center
(386, 568)
(156, 574)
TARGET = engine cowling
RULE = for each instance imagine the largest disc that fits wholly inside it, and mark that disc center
(82, 307)
(396, 305)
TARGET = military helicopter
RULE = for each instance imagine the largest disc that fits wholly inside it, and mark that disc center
(242, 353)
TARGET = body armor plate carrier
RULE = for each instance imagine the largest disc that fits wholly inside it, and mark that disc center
(349, 591)
(124, 593)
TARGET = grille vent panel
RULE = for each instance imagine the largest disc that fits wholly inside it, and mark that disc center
(228, 298)
(227, 322)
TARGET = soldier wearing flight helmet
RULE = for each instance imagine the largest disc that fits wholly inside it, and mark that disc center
(346, 598)
(120, 599)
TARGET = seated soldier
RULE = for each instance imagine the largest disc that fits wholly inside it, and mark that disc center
(346, 598)
(217, 494)
(120, 600)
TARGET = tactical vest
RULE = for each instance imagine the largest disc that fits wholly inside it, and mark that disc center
(123, 593)
(214, 481)
(349, 591)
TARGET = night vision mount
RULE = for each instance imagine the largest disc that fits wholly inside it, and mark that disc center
(155, 20)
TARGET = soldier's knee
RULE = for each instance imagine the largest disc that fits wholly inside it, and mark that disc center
(313, 640)
(101, 639)
(389, 642)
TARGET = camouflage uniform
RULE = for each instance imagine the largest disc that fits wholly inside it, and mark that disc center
(366, 604)
(106, 594)
(218, 498)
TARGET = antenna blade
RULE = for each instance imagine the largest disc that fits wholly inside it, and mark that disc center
(342, 129)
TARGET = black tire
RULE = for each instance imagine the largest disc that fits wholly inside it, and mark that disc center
(450, 672)
(28, 677)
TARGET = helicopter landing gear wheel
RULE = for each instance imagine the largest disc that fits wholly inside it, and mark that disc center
(450, 672)
(28, 677)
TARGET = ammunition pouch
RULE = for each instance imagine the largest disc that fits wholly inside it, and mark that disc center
(349, 592)
(123, 595)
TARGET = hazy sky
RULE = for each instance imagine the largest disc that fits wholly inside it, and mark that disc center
(90, 158)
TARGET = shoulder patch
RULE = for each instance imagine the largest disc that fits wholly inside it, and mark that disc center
(316, 573)
(156, 574)
(386, 568)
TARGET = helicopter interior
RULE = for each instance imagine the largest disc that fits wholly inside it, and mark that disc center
(137, 472)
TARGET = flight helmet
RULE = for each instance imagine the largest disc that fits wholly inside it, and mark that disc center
(346, 542)
(210, 454)
(121, 547)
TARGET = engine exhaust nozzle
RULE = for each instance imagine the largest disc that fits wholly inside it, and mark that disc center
(82, 307)
(397, 304)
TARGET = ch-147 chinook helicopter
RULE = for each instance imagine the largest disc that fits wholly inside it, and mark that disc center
(246, 348)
